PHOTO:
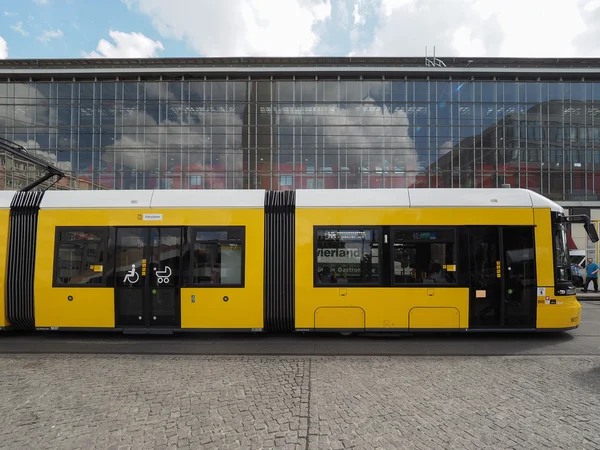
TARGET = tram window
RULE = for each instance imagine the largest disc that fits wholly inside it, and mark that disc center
(347, 256)
(80, 257)
(424, 256)
(218, 256)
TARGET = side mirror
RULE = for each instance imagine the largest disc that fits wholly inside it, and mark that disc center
(591, 231)
(587, 225)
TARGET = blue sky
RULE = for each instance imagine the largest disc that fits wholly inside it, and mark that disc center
(165, 28)
(72, 28)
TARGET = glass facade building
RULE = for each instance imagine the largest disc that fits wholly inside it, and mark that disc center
(310, 123)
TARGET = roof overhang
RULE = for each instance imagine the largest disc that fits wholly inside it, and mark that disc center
(325, 66)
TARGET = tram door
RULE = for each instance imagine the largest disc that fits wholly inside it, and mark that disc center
(502, 277)
(147, 278)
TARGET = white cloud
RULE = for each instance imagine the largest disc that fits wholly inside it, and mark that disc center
(467, 43)
(3, 48)
(48, 35)
(406, 27)
(591, 5)
(358, 19)
(341, 14)
(41, 2)
(364, 15)
(19, 29)
(511, 28)
(126, 45)
(552, 35)
(9, 14)
(240, 27)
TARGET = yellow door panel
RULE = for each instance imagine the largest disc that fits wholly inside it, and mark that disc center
(434, 318)
(75, 307)
(222, 308)
(347, 317)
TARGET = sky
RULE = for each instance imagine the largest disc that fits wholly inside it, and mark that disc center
(230, 28)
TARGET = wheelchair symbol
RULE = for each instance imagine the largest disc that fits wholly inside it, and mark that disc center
(132, 276)
(163, 275)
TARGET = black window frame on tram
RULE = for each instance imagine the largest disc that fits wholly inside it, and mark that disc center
(102, 232)
(556, 226)
(191, 241)
(381, 261)
(425, 229)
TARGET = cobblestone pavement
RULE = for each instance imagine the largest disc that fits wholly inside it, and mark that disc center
(137, 402)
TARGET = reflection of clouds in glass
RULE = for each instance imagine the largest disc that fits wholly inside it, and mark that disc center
(154, 92)
(208, 138)
(33, 147)
(22, 105)
(445, 148)
(368, 133)
(25, 109)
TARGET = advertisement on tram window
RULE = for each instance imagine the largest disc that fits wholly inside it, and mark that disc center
(347, 254)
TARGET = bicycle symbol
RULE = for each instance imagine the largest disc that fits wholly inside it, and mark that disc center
(163, 275)
(132, 276)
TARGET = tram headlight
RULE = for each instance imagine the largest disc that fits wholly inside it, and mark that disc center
(567, 291)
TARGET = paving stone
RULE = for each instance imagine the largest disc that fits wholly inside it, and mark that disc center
(456, 402)
(148, 402)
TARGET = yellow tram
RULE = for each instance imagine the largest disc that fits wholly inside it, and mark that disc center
(308, 260)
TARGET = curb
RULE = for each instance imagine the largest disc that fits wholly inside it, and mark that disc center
(591, 298)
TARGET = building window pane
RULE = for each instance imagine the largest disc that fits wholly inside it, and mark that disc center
(286, 180)
(424, 256)
(195, 180)
(347, 256)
